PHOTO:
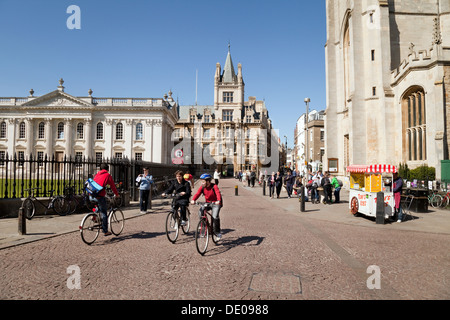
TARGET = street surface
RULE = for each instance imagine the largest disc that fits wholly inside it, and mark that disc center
(269, 251)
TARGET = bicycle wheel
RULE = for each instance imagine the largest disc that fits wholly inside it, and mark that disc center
(116, 221)
(90, 228)
(172, 229)
(445, 201)
(60, 205)
(72, 203)
(202, 236)
(28, 208)
(436, 201)
(186, 227)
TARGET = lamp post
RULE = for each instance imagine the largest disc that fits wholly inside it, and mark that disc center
(286, 150)
(307, 100)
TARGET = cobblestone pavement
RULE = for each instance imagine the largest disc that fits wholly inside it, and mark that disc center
(269, 251)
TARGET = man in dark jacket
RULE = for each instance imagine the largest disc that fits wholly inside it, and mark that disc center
(327, 188)
(183, 189)
(289, 181)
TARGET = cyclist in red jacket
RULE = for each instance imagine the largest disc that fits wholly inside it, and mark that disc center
(213, 196)
(103, 178)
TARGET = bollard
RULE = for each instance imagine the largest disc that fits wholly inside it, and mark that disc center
(22, 222)
(302, 199)
(264, 187)
(235, 190)
(380, 208)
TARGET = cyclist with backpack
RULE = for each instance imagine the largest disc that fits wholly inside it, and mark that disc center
(182, 189)
(212, 195)
(103, 178)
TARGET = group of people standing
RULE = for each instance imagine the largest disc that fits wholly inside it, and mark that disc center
(328, 183)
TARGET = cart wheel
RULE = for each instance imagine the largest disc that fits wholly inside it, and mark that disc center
(354, 206)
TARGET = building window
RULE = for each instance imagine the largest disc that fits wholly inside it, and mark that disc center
(139, 132)
(192, 118)
(78, 159)
(118, 155)
(414, 120)
(374, 91)
(41, 130)
(207, 118)
(322, 135)
(60, 130)
(228, 97)
(3, 130)
(2, 157)
(80, 131)
(207, 133)
(40, 158)
(138, 156)
(21, 157)
(248, 118)
(99, 133)
(227, 115)
(98, 158)
(119, 131)
(372, 54)
(22, 130)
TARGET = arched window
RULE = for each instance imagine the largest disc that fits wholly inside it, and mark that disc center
(99, 132)
(139, 132)
(119, 131)
(80, 130)
(3, 130)
(414, 124)
(60, 130)
(41, 130)
(22, 130)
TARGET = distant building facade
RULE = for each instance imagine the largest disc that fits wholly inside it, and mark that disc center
(388, 83)
(227, 133)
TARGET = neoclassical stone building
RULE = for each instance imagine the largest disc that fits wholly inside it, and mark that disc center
(59, 124)
(388, 83)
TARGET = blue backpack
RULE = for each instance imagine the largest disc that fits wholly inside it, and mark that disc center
(92, 187)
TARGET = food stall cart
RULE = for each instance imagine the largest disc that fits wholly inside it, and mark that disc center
(365, 182)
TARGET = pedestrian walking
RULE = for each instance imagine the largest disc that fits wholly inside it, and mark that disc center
(244, 178)
(397, 189)
(327, 188)
(144, 182)
(216, 177)
(278, 183)
(271, 183)
(253, 178)
(337, 189)
(289, 181)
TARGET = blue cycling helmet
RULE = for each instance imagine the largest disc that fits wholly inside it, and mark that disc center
(205, 176)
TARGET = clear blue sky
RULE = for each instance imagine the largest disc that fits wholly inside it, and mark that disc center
(145, 48)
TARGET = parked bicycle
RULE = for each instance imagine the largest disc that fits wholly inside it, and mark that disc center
(204, 228)
(446, 200)
(57, 203)
(435, 199)
(75, 201)
(173, 221)
(92, 223)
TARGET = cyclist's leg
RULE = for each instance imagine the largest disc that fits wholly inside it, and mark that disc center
(216, 218)
(103, 208)
(183, 212)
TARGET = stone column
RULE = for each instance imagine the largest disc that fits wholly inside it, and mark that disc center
(68, 135)
(29, 135)
(88, 138)
(148, 138)
(48, 137)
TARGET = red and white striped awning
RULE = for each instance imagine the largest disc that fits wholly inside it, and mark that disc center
(375, 168)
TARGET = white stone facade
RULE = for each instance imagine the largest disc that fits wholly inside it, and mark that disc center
(388, 82)
(59, 124)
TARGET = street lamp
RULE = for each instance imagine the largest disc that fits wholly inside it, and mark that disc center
(307, 100)
(286, 150)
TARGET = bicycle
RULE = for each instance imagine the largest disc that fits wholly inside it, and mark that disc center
(75, 202)
(204, 228)
(173, 221)
(435, 199)
(446, 200)
(92, 223)
(57, 203)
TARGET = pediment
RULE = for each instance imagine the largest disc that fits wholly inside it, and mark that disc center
(57, 100)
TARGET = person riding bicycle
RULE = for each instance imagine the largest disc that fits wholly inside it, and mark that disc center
(183, 189)
(212, 195)
(103, 178)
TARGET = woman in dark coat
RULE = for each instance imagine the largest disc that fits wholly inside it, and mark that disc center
(278, 183)
(182, 188)
(271, 183)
